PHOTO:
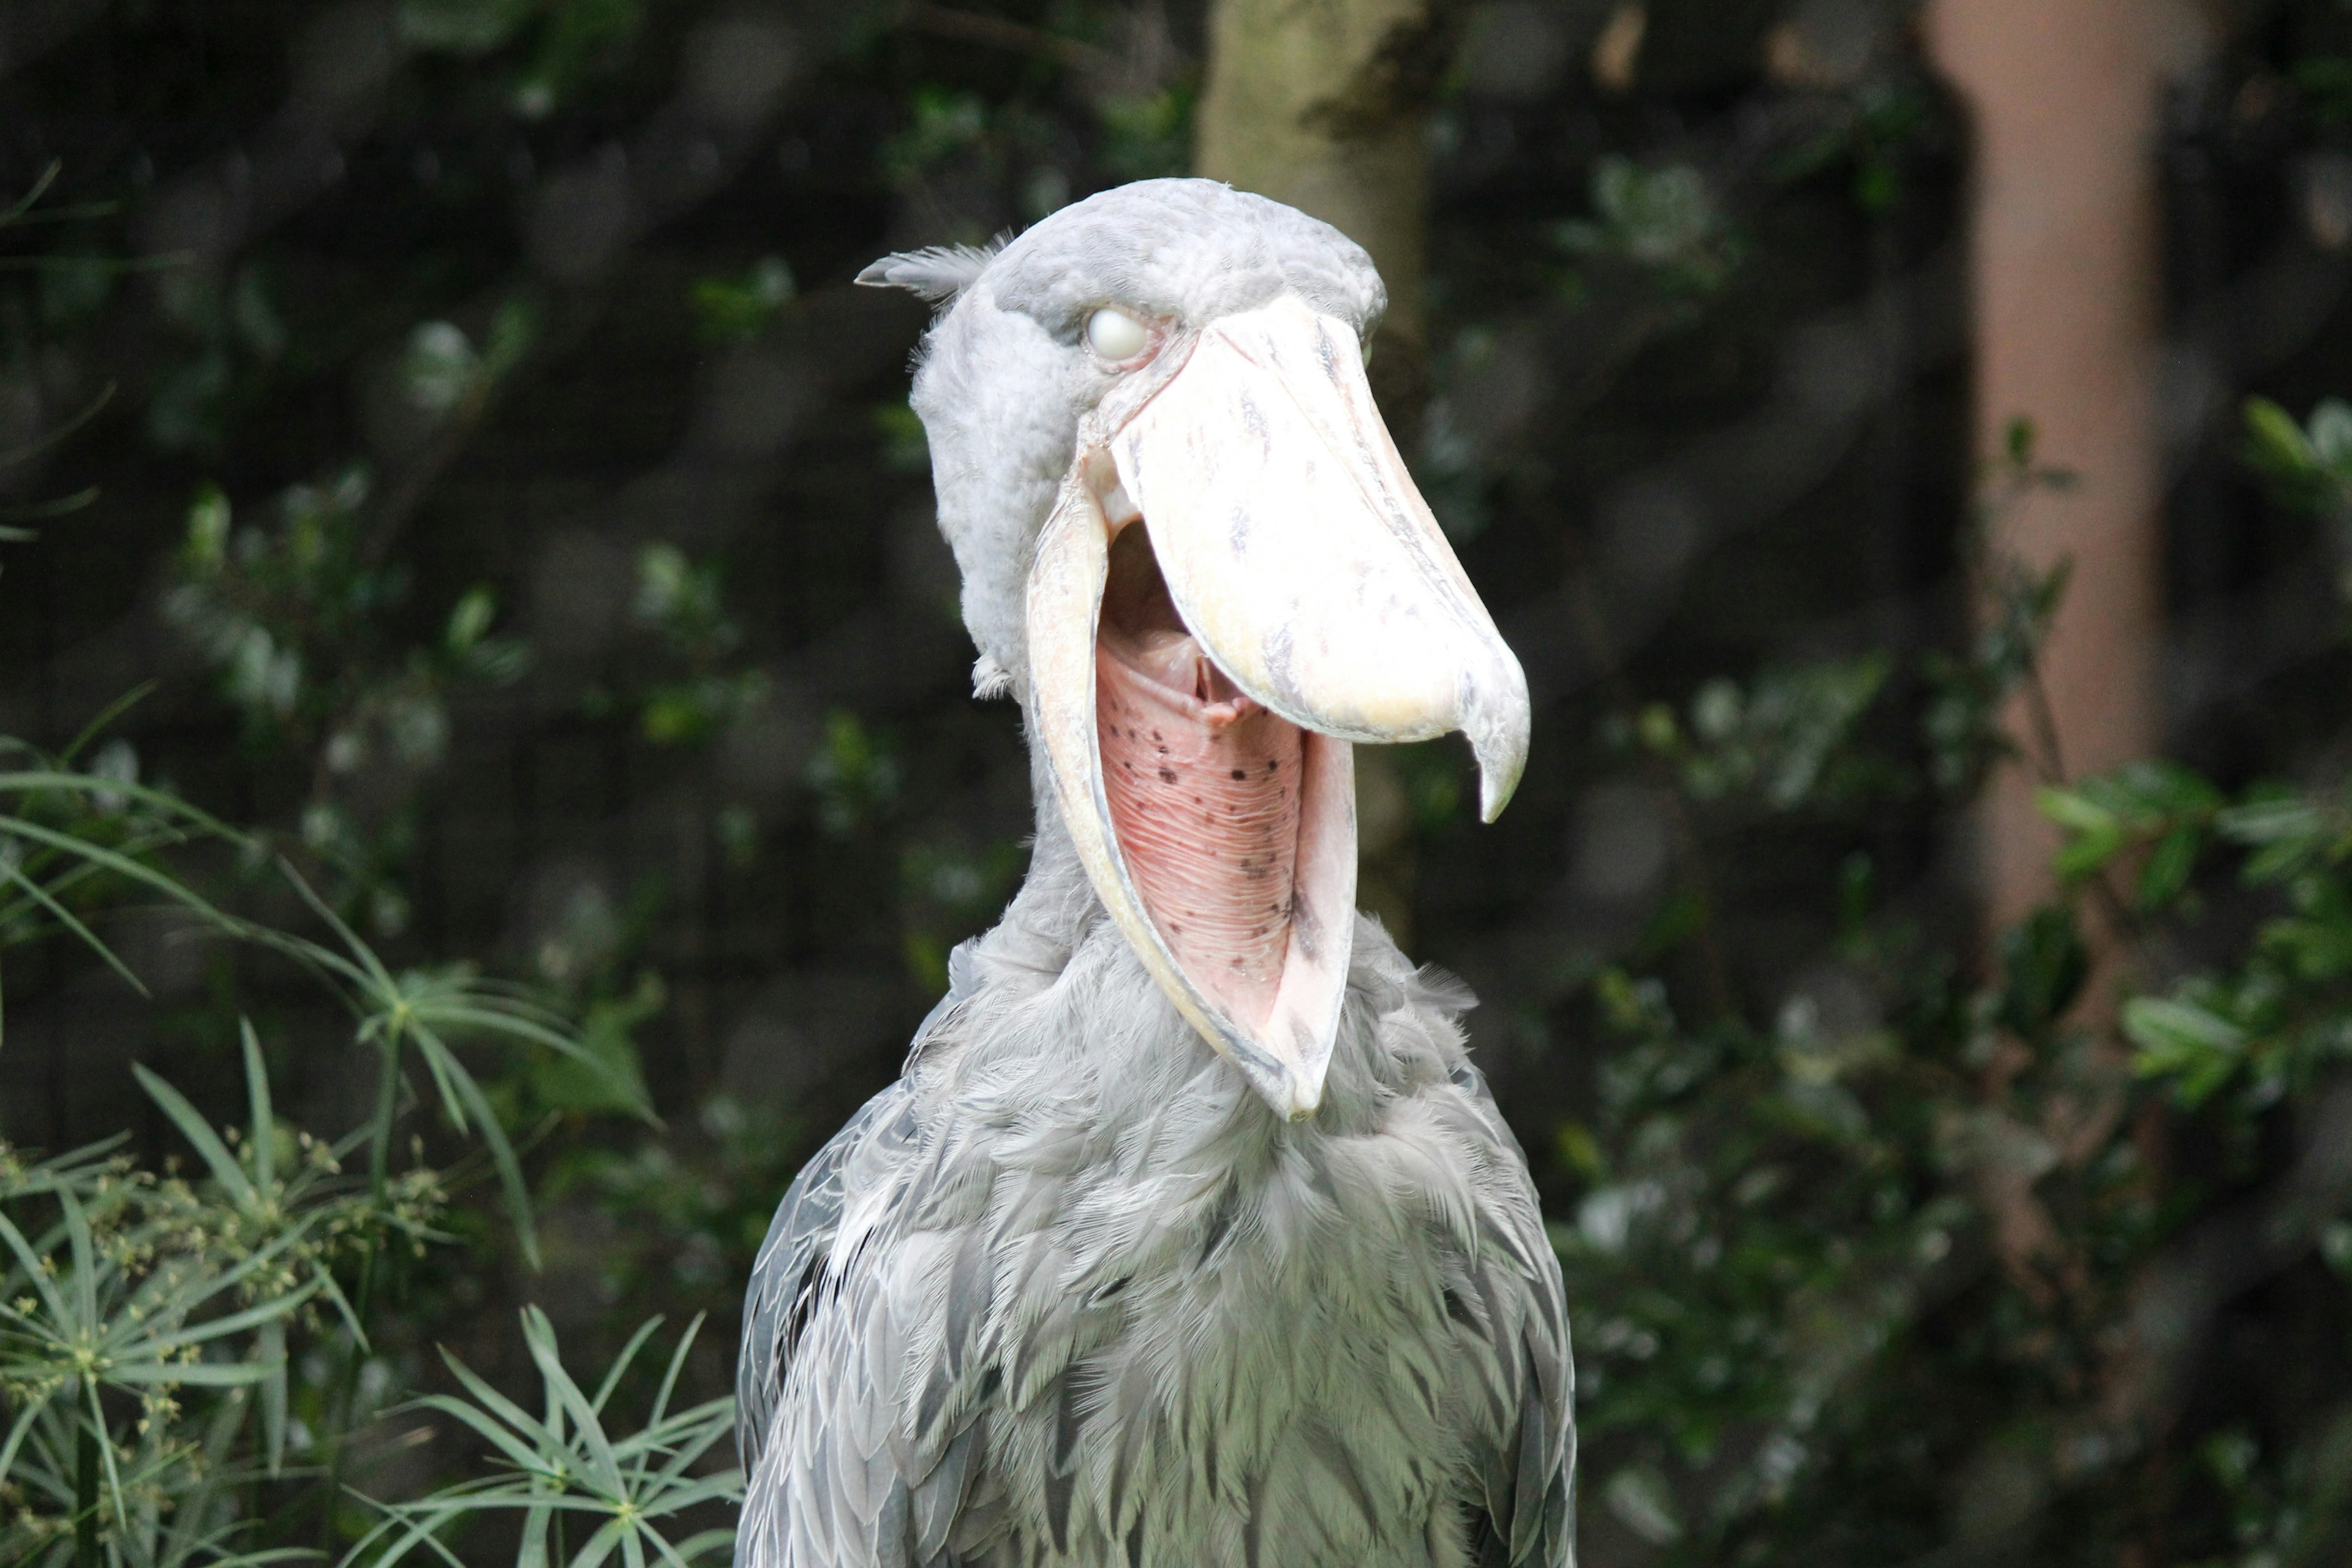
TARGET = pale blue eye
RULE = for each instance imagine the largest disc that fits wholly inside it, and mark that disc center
(1115, 335)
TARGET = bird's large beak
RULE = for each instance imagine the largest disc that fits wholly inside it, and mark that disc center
(1239, 580)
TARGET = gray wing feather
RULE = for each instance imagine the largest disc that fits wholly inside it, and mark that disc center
(789, 1272)
(1529, 1477)
(856, 1483)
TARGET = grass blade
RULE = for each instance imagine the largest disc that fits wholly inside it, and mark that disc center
(256, 1094)
(67, 919)
(621, 1363)
(503, 1155)
(226, 1168)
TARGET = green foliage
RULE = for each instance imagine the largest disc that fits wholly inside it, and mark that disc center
(2326, 84)
(2308, 465)
(144, 1325)
(2291, 1512)
(1869, 132)
(74, 839)
(2270, 1026)
(447, 375)
(232, 337)
(680, 602)
(605, 1077)
(1148, 135)
(952, 131)
(940, 125)
(737, 310)
(144, 1332)
(1752, 1231)
(548, 49)
(949, 893)
(1906, 1233)
(150, 1324)
(302, 622)
(855, 774)
(689, 1214)
(421, 1014)
(566, 1476)
(904, 446)
(1964, 724)
(1780, 738)
(1666, 220)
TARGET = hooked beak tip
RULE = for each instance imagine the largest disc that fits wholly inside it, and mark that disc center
(1498, 778)
(1500, 741)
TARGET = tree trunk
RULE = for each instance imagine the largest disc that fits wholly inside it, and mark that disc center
(1324, 104)
(2064, 96)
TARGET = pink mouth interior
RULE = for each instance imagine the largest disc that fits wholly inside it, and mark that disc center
(1204, 787)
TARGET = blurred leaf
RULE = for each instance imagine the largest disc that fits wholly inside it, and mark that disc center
(2326, 82)
(2308, 467)
(2043, 964)
(2165, 873)
(942, 123)
(1644, 1504)
(607, 1077)
(439, 369)
(462, 27)
(2183, 1040)
(1148, 135)
(469, 619)
(737, 310)
(1665, 219)
(1786, 737)
(855, 774)
(905, 448)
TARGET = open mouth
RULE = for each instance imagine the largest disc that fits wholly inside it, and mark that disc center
(1238, 581)
(1218, 805)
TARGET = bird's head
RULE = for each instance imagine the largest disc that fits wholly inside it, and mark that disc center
(1189, 546)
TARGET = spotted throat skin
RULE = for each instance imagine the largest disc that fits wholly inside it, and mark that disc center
(1204, 787)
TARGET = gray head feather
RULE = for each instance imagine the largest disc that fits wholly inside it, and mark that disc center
(936, 272)
(1005, 375)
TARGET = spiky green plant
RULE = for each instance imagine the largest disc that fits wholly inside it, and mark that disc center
(117, 1300)
(566, 1474)
(148, 1322)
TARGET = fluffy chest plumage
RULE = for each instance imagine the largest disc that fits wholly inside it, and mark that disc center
(1218, 1365)
(1096, 1315)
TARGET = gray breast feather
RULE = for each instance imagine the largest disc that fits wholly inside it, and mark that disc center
(974, 1339)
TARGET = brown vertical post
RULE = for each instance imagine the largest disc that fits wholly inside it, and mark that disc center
(2063, 97)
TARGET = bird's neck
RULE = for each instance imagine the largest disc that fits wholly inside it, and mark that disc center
(1054, 996)
(1056, 907)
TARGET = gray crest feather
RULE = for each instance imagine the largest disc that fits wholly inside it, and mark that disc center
(936, 272)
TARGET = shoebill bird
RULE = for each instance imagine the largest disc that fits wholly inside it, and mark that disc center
(1190, 1236)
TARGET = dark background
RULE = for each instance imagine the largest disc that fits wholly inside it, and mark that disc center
(1723, 434)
